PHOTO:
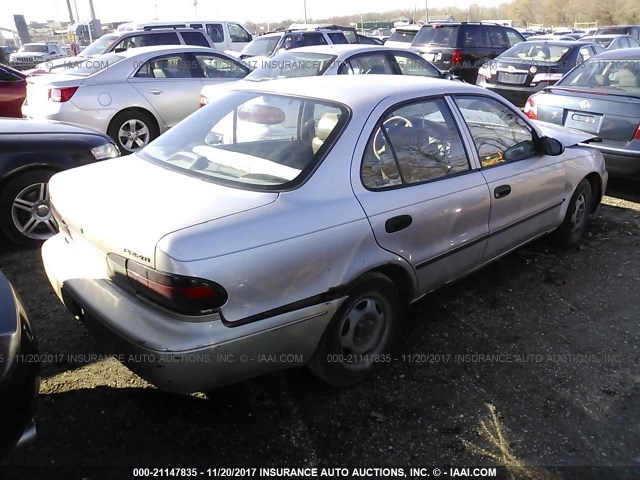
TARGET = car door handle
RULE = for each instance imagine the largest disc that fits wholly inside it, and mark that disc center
(395, 224)
(154, 92)
(502, 191)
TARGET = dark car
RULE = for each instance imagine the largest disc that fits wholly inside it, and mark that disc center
(612, 42)
(602, 97)
(462, 48)
(632, 30)
(19, 371)
(13, 90)
(30, 153)
(530, 66)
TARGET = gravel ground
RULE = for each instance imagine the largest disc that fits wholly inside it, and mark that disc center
(532, 362)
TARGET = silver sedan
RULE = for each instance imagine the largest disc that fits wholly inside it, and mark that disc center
(287, 222)
(133, 96)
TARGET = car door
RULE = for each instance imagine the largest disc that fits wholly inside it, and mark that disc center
(425, 199)
(526, 187)
(366, 63)
(12, 93)
(170, 84)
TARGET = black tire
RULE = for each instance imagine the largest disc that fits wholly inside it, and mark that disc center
(569, 233)
(25, 215)
(353, 349)
(132, 130)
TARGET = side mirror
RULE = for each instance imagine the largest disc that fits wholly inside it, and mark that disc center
(551, 146)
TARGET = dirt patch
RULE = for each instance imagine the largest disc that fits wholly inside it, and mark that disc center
(532, 362)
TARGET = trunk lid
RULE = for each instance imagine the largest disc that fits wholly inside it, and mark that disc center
(599, 111)
(126, 205)
(38, 86)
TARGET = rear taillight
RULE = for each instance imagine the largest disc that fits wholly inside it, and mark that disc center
(456, 56)
(637, 135)
(531, 109)
(203, 101)
(179, 293)
(61, 94)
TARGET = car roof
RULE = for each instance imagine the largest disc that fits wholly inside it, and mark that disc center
(132, 52)
(356, 90)
(620, 54)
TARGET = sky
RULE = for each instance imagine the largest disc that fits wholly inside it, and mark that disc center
(238, 10)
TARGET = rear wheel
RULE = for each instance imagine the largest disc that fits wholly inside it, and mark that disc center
(357, 340)
(575, 221)
(132, 130)
(25, 214)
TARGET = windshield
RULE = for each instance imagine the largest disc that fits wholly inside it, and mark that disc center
(100, 46)
(443, 36)
(537, 52)
(262, 46)
(33, 48)
(615, 76)
(293, 64)
(251, 140)
(89, 67)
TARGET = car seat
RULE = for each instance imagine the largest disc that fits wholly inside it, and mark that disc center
(326, 124)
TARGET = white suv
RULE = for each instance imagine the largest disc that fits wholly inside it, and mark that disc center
(273, 43)
(31, 54)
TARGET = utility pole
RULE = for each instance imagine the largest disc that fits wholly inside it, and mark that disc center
(195, 7)
(305, 12)
(70, 12)
(426, 8)
(93, 12)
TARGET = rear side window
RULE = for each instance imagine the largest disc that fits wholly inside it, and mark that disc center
(376, 63)
(215, 32)
(498, 37)
(160, 39)
(195, 38)
(338, 38)
(475, 36)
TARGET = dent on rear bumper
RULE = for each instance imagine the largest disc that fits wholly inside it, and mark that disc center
(173, 352)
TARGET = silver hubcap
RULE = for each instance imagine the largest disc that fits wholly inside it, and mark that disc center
(31, 214)
(362, 332)
(579, 212)
(133, 135)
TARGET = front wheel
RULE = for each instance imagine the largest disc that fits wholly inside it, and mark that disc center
(25, 213)
(569, 233)
(357, 340)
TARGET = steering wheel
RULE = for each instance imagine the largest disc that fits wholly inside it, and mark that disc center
(378, 135)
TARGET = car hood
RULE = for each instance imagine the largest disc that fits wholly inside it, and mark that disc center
(127, 205)
(567, 136)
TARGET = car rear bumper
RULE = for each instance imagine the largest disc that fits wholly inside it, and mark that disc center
(178, 354)
(619, 162)
(516, 94)
(69, 113)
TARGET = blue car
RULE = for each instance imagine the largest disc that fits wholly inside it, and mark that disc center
(530, 66)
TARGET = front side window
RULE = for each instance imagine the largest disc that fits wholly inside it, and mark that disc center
(413, 144)
(499, 134)
(168, 66)
(215, 32)
(475, 37)
(214, 66)
(238, 34)
(251, 140)
(376, 63)
(415, 65)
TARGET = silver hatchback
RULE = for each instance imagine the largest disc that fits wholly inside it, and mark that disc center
(287, 222)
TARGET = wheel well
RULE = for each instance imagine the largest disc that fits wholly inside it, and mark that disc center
(401, 279)
(30, 168)
(139, 110)
(596, 188)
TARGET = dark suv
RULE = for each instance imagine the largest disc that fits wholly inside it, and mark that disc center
(462, 48)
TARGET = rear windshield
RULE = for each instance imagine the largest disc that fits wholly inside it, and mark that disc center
(262, 46)
(537, 52)
(292, 64)
(444, 36)
(613, 76)
(404, 36)
(100, 46)
(251, 140)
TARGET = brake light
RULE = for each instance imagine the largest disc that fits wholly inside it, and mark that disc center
(179, 293)
(61, 95)
(637, 135)
(203, 101)
(531, 109)
(456, 56)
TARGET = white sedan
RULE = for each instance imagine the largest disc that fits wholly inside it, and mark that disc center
(213, 255)
(133, 96)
